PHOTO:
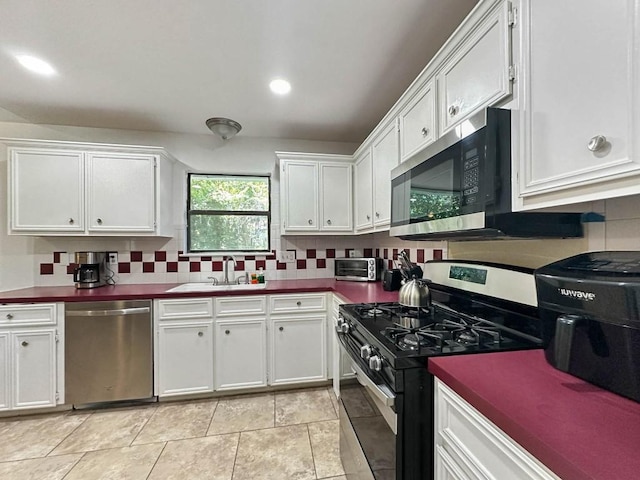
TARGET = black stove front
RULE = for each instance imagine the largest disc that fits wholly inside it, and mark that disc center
(389, 346)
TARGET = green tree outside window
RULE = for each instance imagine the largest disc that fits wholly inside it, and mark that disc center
(228, 213)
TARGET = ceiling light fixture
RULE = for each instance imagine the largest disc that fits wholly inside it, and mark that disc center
(35, 64)
(280, 86)
(223, 127)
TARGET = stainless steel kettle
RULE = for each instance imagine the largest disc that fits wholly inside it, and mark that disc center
(415, 293)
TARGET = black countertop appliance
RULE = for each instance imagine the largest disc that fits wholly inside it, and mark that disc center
(590, 310)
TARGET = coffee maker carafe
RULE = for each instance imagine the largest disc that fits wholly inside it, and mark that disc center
(91, 270)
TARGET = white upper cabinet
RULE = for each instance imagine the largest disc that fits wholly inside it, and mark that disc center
(315, 193)
(48, 191)
(336, 211)
(384, 153)
(115, 184)
(418, 122)
(581, 90)
(477, 75)
(64, 188)
(363, 192)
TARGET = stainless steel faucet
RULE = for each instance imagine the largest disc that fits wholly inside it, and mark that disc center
(226, 260)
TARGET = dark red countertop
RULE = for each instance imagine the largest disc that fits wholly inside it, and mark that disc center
(355, 292)
(576, 429)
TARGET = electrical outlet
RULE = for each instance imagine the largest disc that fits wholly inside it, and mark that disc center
(287, 256)
(112, 258)
(355, 253)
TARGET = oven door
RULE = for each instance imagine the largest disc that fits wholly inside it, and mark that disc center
(368, 420)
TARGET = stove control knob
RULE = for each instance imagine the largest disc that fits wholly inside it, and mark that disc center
(345, 327)
(375, 363)
(366, 351)
(339, 323)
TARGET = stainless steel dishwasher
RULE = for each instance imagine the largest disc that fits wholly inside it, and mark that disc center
(108, 351)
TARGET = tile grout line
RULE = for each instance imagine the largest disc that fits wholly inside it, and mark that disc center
(145, 424)
(157, 459)
(313, 457)
(213, 414)
(67, 436)
(235, 457)
(74, 466)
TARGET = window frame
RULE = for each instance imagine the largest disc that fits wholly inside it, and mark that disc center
(240, 213)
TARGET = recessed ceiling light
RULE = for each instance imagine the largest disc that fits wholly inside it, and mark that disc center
(280, 86)
(35, 64)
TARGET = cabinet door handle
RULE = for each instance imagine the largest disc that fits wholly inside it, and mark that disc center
(328, 222)
(299, 303)
(377, 214)
(368, 217)
(99, 221)
(200, 334)
(453, 110)
(25, 344)
(597, 143)
(71, 221)
(227, 332)
(310, 222)
(281, 329)
(425, 131)
(9, 316)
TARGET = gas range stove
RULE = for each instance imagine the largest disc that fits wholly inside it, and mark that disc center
(413, 333)
(476, 308)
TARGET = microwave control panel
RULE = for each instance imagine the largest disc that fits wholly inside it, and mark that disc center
(470, 176)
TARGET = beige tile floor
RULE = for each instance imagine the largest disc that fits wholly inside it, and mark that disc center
(281, 435)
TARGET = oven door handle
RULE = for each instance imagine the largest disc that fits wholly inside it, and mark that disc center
(382, 392)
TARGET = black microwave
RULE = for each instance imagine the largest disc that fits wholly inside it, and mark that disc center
(460, 188)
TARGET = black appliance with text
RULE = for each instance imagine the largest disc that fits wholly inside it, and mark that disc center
(590, 311)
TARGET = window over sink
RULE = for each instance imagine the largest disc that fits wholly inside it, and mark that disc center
(228, 213)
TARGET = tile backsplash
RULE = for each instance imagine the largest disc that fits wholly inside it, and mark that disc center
(173, 266)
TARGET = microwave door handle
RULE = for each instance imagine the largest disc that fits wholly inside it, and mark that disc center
(565, 329)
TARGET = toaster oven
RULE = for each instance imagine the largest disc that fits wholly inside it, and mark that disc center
(359, 269)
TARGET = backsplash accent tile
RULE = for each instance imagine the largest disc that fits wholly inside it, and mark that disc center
(172, 266)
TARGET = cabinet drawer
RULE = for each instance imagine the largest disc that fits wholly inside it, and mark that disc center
(241, 305)
(185, 308)
(312, 302)
(28, 314)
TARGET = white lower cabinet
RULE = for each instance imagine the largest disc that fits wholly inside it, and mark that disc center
(31, 356)
(184, 346)
(298, 349)
(186, 358)
(241, 353)
(468, 446)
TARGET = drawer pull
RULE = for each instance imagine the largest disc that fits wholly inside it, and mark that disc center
(99, 221)
(328, 222)
(453, 110)
(281, 329)
(425, 131)
(299, 303)
(227, 332)
(9, 316)
(200, 334)
(310, 222)
(25, 344)
(71, 220)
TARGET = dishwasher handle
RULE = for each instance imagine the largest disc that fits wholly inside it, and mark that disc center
(107, 313)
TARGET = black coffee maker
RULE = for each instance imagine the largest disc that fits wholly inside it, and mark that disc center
(590, 310)
(91, 269)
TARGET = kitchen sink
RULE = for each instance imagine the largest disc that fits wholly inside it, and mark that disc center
(209, 287)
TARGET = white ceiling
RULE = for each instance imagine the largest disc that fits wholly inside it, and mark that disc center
(168, 65)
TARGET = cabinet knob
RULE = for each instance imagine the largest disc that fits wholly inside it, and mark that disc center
(281, 329)
(99, 221)
(368, 217)
(453, 110)
(25, 344)
(377, 214)
(9, 316)
(299, 303)
(227, 332)
(597, 143)
(425, 131)
(200, 334)
(310, 222)
(71, 220)
(328, 222)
